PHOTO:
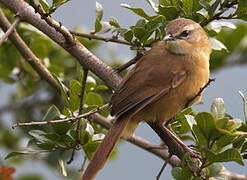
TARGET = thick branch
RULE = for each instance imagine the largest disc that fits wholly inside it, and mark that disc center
(77, 50)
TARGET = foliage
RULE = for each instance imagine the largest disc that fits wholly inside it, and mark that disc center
(218, 137)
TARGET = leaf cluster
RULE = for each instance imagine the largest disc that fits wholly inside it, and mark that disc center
(218, 137)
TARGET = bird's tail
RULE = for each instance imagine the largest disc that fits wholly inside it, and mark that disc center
(105, 148)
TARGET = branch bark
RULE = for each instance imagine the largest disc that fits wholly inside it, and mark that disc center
(10, 30)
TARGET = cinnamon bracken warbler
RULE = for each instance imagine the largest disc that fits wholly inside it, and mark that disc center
(159, 85)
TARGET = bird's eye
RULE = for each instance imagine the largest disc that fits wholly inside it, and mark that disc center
(184, 33)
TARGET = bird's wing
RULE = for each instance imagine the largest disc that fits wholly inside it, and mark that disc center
(155, 76)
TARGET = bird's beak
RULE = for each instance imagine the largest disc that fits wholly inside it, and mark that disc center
(169, 37)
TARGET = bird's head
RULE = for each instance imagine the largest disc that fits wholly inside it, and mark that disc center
(184, 36)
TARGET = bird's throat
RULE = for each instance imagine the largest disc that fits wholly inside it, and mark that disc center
(176, 48)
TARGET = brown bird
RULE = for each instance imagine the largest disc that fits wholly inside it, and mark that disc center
(159, 85)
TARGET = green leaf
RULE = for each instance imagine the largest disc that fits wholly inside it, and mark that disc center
(177, 3)
(52, 113)
(38, 135)
(26, 151)
(238, 142)
(94, 99)
(226, 156)
(137, 11)
(75, 90)
(196, 5)
(141, 23)
(97, 25)
(181, 117)
(63, 92)
(188, 6)
(244, 147)
(242, 7)
(205, 122)
(164, 2)
(218, 108)
(215, 169)
(58, 3)
(46, 145)
(15, 153)
(128, 36)
(45, 5)
(51, 136)
(101, 87)
(180, 174)
(213, 8)
(224, 141)
(106, 27)
(177, 173)
(170, 12)
(244, 105)
(222, 123)
(205, 4)
(201, 139)
(85, 137)
(98, 11)
(152, 4)
(90, 148)
(61, 128)
(113, 21)
(139, 32)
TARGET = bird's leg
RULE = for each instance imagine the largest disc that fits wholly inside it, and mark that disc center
(176, 146)
(181, 143)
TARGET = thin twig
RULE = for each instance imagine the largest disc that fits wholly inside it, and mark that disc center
(58, 26)
(83, 85)
(71, 157)
(11, 29)
(37, 123)
(129, 63)
(162, 168)
(97, 37)
(218, 16)
(83, 164)
(199, 93)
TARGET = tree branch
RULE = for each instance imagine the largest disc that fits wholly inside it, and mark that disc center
(28, 54)
(57, 26)
(97, 37)
(218, 16)
(10, 29)
(234, 176)
(129, 63)
(140, 142)
(71, 119)
(77, 50)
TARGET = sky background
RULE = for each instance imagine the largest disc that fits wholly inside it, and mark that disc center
(133, 162)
